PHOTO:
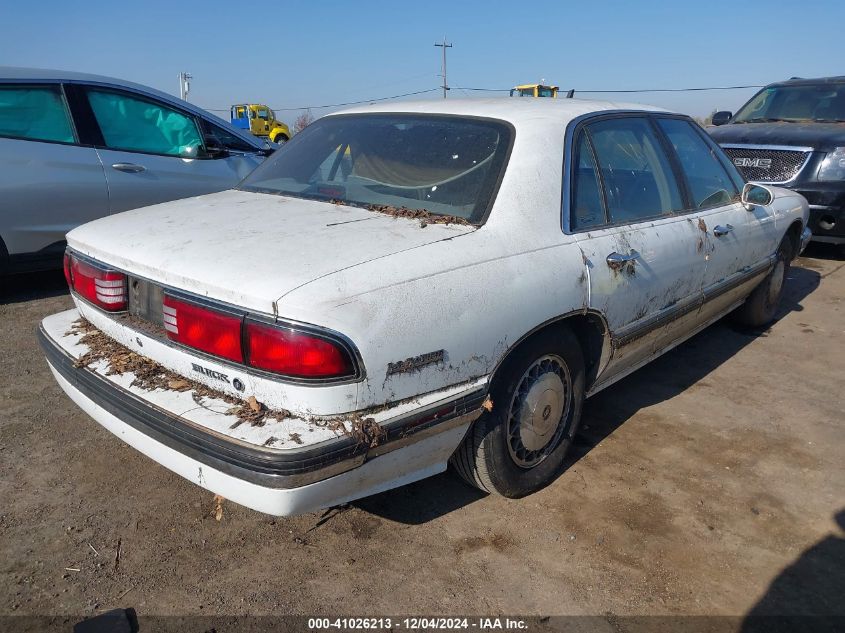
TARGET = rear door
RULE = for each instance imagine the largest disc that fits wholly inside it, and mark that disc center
(626, 211)
(49, 184)
(154, 152)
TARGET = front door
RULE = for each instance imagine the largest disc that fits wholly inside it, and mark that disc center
(154, 153)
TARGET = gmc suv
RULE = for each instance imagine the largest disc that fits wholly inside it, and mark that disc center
(792, 134)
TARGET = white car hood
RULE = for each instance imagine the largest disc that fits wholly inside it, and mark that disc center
(248, 249)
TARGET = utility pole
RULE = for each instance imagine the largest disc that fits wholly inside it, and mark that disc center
(444, 46)
(184, 85)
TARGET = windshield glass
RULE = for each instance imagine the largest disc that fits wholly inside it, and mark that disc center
(444, 165)
(819, 102)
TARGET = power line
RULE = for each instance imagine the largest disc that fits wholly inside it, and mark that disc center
(623, 91)
(669, 89)
(465, 88)
(339, 105)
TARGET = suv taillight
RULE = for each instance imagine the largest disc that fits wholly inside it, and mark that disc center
(104, 288)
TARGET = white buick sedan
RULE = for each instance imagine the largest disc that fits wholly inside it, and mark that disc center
(408, 285)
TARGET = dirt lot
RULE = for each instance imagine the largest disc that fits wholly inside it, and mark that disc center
(707, 483)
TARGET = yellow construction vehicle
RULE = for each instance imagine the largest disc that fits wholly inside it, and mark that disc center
(260, 120)
(535, 90)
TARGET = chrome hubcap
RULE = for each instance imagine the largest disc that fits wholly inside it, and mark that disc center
(776, 282)
(537, 411)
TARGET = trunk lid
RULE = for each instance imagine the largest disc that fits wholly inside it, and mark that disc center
(248, 249)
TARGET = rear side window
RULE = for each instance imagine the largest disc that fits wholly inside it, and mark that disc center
(587, 206)
(709, 183)
(134, 124)
(638, 178)
(36, 113)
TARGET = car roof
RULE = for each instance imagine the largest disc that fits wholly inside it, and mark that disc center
(803, 81)
(12, 74)
(516, 110)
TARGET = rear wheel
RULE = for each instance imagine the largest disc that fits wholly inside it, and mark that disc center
(519, 447)
(4, 258)
(762, 304)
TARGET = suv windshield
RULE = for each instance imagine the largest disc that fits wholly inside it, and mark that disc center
(445, 165)
(815, 102)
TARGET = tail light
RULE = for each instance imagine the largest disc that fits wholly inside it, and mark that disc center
(225, 334)
(204, 329)
(68, 275)
(103, 287)
(267, 347)
(293, 353)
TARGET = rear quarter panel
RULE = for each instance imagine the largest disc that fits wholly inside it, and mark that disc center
(454, 297)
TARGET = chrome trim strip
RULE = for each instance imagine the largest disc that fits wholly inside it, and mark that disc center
(639, 329)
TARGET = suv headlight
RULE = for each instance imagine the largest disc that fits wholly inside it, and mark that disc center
(833, 166)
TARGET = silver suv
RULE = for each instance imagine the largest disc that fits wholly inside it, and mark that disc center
(76, 147)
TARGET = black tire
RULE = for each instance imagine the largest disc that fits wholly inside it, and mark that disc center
(489, 456)
(4, 258)
(762, 304)
(281, 139)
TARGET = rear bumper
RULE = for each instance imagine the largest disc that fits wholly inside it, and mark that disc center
(417, 445)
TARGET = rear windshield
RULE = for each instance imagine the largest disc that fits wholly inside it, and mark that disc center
(444, 165)
(819, 102)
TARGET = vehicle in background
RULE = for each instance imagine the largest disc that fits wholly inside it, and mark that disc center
(260, 121)
(404, 284)
(792, 134)
(535, 90)
(76, 147)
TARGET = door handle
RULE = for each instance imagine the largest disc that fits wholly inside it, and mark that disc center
(720, 230)
(129, 168)
(618, 261)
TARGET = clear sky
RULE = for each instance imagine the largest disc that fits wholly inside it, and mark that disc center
(296, 53)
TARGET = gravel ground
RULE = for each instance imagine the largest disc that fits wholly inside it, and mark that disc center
(708, 483)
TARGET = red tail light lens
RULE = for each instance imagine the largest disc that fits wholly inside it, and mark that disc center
(68, 275)
(104, 288)
(295, 353)
(207, 330)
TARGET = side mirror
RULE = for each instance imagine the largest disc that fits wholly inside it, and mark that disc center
(214, 147)
(721, 117)
(755, 196)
